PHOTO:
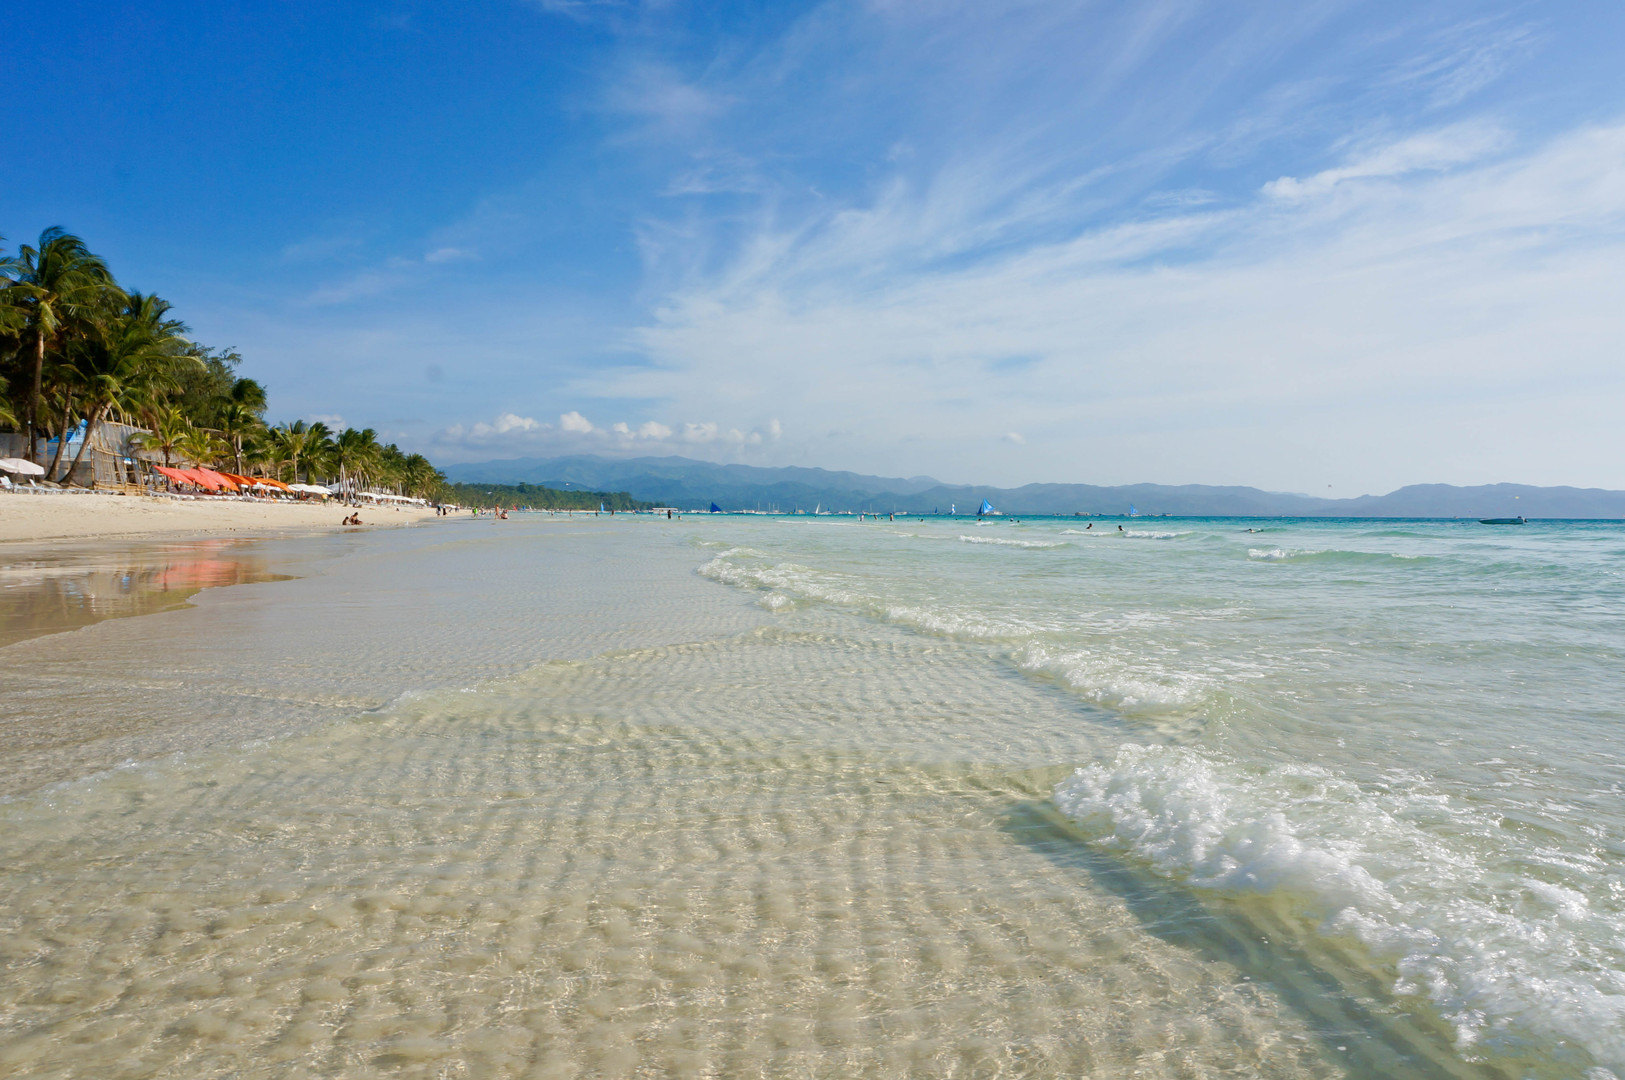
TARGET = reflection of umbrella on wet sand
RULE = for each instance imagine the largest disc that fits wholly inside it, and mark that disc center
(20, 467)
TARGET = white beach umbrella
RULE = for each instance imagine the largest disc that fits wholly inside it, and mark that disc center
(20, 467)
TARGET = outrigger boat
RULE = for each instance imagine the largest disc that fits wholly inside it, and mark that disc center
(1503, 521)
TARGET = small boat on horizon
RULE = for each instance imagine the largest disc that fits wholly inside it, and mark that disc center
(1503, 521)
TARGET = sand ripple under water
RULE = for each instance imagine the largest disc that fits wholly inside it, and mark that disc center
(729, 798)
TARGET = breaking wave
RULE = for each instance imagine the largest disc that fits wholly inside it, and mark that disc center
(1003, 541)
(789, 584)
(1115, 682)
(1433, 891)
(1384, 558)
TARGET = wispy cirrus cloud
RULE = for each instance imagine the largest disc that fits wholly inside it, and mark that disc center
(1181, 240)
(1430, 151)
(1446, 274)
(387, 276)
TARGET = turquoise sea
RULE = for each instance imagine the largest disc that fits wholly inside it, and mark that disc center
(813, 796)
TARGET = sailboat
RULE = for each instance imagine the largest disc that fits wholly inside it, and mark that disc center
(986, 510)
(1132, 512)
(715, 509)
(953, 509)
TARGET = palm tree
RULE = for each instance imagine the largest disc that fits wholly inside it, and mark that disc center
(260, 451)
(318, 450)
(127, 367)
(57, 403)
(356, 454)
(13, 319)
(237, 421)
(419, 477)
(169, 428)
(299, 440)
(59, 285)
(249, 394)
(203, 447)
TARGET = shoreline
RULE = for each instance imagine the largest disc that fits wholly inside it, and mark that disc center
(31, 518)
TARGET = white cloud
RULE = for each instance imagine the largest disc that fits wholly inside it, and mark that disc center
(701, 433)
(1015, 437)
(1429, 152)
(332, 420)
(908, 228)
(505, 424)
(574, 433)
(663, 102)
(1258, 343)
(387, 276)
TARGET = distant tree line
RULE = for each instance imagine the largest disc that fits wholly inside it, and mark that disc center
(537, 497)
(77, 349)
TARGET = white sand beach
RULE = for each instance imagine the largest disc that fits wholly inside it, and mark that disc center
(94, 516)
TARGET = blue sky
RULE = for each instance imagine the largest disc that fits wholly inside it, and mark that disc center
(1324, 247)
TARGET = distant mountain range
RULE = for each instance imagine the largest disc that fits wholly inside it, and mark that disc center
(689, 484)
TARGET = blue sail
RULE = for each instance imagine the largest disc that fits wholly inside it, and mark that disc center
(987, 508)
(715, 509)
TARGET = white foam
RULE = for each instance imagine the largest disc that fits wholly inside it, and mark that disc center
(1004, 541)
(1114, 682)
(1507, 959)
(788, 583)
(1276, 554)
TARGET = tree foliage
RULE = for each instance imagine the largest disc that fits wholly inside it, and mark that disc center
(77, 350)
(537, 497)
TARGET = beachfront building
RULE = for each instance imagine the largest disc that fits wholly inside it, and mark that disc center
(114, 459)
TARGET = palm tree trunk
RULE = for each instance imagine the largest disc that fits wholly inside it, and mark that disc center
(90, 429)
(34, 394)
(56, 458)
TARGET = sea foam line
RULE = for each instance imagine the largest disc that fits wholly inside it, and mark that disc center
(1506, 963)
(1004, 541)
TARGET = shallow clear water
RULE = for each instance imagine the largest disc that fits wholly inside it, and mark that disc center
(793, 796)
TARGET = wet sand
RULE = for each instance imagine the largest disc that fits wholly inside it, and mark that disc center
(66, 586)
